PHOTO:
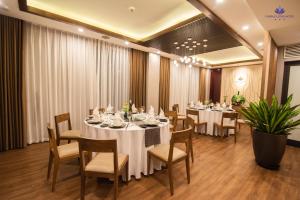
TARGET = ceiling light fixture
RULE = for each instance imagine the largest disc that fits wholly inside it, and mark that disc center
(194, 42)
(260, 44)
(219, 1)
(186, 42)
(205, 45)
(126, 42)
(189, 38)
(131, 9)
(245, 27)
(205, 40)
(175, 43)
(194, 46)
(177, 47)
(191, 49)
(183, 45)
(198, 43)
(80, 30)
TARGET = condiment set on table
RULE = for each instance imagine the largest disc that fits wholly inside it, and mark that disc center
(211, 107)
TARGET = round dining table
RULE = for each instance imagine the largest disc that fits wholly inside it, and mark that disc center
(131, 141)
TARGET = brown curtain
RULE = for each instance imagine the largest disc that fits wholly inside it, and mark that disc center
(202, 82)
(138, 72)
(11, 119)
(164, 83)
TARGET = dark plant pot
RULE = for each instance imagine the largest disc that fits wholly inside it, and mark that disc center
(268, 149)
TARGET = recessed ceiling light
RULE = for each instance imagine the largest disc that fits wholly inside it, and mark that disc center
(205, 45)
(245, 27)
(205, 40)
(183, 45)
(191, 49)
(219, 1)
(260, 44)
(186, 42)
(177, 47)
(198, 43)
(126, 42)
(131, 8)
(175, 43)
(194, 42)
(80, 30)
(158, 52)
(194, 46)
(189, 38)
(187, 47)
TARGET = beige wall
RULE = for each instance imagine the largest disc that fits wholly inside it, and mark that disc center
(246, 79)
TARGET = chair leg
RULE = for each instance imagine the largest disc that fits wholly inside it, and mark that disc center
(127, 173)
(82, 189)
(235, 132)
(171, 179)
(69, 141)
(214, 128)
(50, 162)
(187, 165)
(55, 172)
(192, 152)
(148, 163)
(206, 129)
(116, 185)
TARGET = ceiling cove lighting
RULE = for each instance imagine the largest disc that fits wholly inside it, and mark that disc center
(245, 27)
(80, 30)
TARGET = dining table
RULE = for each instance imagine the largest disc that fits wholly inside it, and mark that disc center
(132, 140)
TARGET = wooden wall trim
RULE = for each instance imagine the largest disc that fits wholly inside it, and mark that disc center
(238, 63)
(217, 20)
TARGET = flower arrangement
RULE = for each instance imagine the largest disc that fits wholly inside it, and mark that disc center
(238, 99)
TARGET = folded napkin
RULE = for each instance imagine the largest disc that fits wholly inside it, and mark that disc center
(152, 136)
(151, 111)
(192, 104)
(230, 106)
(133, 108)
(109, 109)
(224, 105)
(199, 103)
(96, 111)
(161, 113)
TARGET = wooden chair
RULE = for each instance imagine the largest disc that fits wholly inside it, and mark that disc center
(66, 135)
(58, 154)
(171, 155)
(197, 123)
(141, 109)
(227, 115)
(191, 124)
(172, 115)
(240, 119)
(107, 163)
(101, 110)
(180, 117)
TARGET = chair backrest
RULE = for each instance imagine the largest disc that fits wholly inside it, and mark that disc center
(229, 115)
(182, 136)
(175, 107)
(172, 115)
(101, 110)
(52, 141)
(91, 145)
(62, 118)
(192, 112)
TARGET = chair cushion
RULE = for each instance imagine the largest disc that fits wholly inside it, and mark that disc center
(241, 121)
(70, 134)
(162, 152)
(104, 163)
(181, 117)
(68, 150)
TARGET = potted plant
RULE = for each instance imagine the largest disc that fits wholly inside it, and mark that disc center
(270, 124)
(238, 99)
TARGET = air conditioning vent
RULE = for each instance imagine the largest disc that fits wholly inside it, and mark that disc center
(292, 52)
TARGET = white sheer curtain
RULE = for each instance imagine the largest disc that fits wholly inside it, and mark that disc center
(184, 85)
(69, 73)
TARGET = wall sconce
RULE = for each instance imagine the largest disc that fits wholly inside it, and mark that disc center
(240, 81)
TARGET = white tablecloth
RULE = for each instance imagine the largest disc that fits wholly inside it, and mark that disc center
(211, 117)
(131, 141)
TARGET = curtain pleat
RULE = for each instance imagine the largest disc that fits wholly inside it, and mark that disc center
(138, 73)
(164, 83)
(11, 119)
(69, 73)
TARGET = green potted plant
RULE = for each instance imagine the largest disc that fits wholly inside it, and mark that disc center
(238, 99)
(270, 124)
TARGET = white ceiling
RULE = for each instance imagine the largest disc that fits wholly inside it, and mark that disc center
(234, 54)
(286, 31)
(237, 13)
(149, 17)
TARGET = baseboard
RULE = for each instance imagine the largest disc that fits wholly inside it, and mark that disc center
(293, 143)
